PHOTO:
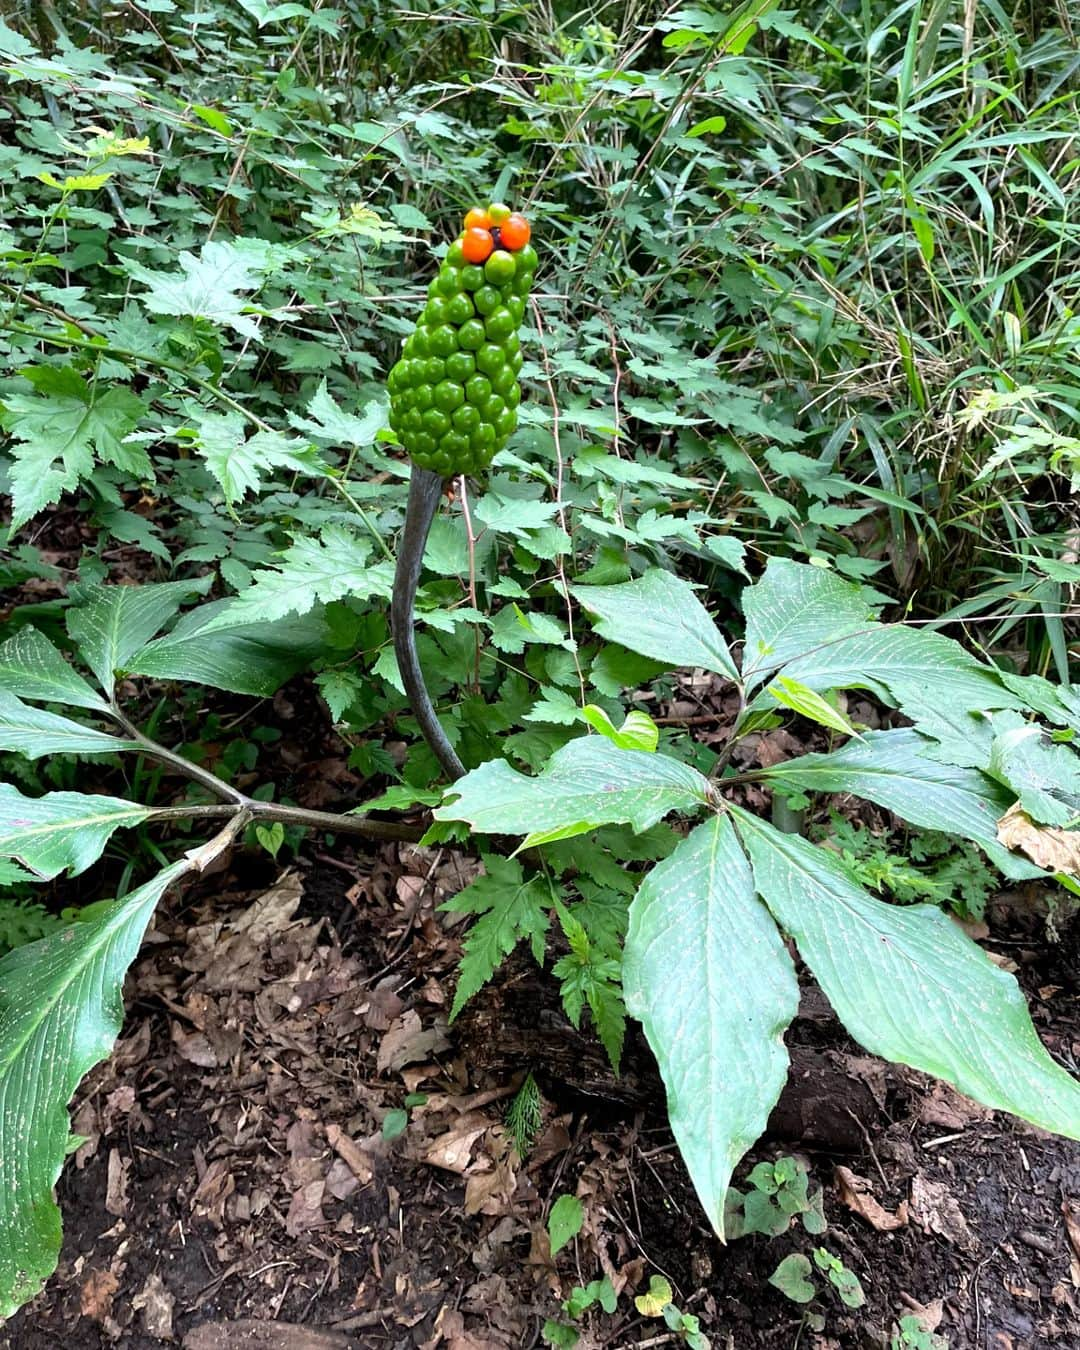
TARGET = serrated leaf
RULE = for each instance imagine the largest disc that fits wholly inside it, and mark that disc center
(585, 784)
(61, 1008)
(244, 658)
(658, 615)
(310, 572)
(34, 732)
(61, 830)
(61, 431)
(895, 770)
(239, 462)
(706, 973)
(330, 422)
(510, 907)
(114, 622)
(206, 287)
(908, 984)
(564, 1222)
(31, 667)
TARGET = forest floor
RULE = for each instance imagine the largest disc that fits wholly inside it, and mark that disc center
(235, 1188)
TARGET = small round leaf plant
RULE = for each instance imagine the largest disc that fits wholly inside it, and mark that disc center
(453, 403)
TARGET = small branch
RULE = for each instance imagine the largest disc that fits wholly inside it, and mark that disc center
(329, 820)
(154, 750)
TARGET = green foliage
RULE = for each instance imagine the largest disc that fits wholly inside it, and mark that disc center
(938, 869)
(911, 1335)
(211, 250)
(524, 1116)
(564, 1221)
(780, 1193)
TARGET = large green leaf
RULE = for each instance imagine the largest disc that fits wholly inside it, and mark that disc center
(61, 829)
(894, 769)
(587, 783)
(60, 1013)
(35, 732)
(659, 615)
(250, 658)
(908, 984)
(31, 667)
(707, 975)
(116, 621)
(794, 609)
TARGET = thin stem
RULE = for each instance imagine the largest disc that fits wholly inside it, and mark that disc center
(463, 485)
(329, 820)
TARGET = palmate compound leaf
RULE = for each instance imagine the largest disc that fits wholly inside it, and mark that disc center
(894, 769)
(60, 1013)
(908, 984)
(588, 782)
(658, 615)
(61, 830)
(706, 973)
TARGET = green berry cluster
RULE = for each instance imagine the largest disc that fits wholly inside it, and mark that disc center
(454, 394)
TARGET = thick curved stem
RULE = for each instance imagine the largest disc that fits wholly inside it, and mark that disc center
(425, 493)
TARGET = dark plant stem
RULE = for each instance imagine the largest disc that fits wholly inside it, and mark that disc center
(425, 493)
(294, 815)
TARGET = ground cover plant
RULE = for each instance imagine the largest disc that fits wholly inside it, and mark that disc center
(798, 393)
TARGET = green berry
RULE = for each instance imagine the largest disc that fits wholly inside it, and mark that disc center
(490, 359)
(434, 368)
(471, 335)
(436, 422)
(449, 395)
(423, 397)
(500, 325)
(500, 268)
(477, 389)
(460, 366)
(492, 409)
(459, 309)
(472, 277)
(466, 419)
(449, 281)
(486, 299)
(443, 340)
(503, 380)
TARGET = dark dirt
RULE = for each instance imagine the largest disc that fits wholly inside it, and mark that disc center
(236, 1189)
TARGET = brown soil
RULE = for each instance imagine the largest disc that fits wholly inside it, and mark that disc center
(236, 1190)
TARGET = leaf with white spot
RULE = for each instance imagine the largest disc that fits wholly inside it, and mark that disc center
(908, 984)
(61, 830)
(706, 973)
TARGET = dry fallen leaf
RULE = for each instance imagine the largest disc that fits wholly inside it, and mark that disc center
(116, 1184)
(156, 1304)
(935, 1210)
(350, 1153)
(407, 1042)
(855, 1193)
(1046, 846)
(96, 1295)
(1071, 1211)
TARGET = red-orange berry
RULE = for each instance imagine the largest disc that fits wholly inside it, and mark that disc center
(476, 218)
(477, 244)
(515, 233)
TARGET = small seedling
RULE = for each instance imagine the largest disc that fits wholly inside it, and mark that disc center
(657, 1301)
(564, 1221)
(780, 1193)
(523, 1117)
(396, 1121)
(565, 1337)
(794, 1278)
(912, 1335)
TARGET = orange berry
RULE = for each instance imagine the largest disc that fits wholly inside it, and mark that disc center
(515, 233)
(477, 244)
(476, 218)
